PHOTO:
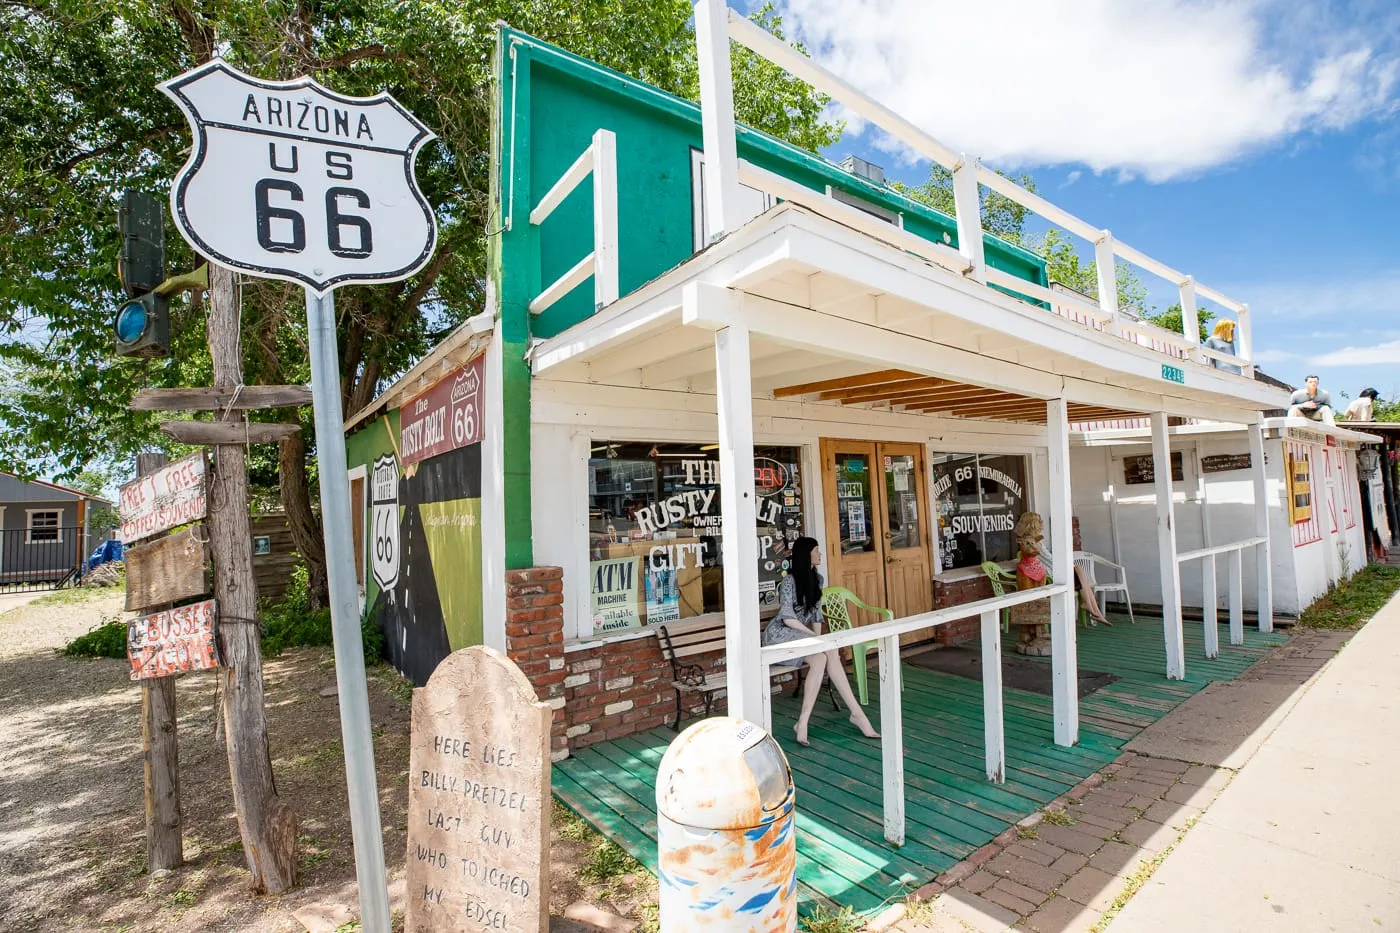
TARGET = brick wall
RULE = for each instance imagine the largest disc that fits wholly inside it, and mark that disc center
(535, 640)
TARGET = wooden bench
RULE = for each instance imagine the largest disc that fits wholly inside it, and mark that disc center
(690, 678)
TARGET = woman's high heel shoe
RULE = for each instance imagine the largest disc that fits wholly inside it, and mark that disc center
(871, 734)
(801, 739)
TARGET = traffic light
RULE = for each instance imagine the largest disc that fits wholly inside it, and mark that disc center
(142, 325)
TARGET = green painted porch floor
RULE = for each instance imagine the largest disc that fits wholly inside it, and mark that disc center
(951, 809)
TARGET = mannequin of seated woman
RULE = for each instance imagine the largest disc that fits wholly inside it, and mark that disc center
(800, 615)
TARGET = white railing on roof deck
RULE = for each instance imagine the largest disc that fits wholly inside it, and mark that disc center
(716, 25)
(600, 161)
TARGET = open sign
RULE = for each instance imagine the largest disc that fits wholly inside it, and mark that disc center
(769, 476)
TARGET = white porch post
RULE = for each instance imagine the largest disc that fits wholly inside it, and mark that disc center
(717, 116)
(744, 669)
(1210, 623)
(1064, 663)
(892, 739)
(993, 716)
(1237, 597)
(1190, 321)
(1264, 560)
(1166, 549)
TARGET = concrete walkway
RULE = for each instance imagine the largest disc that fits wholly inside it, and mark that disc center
(1307, 836)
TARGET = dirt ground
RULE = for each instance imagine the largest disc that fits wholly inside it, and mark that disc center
(72, 823)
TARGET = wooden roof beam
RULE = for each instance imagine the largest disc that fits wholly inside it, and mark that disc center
(845, 382)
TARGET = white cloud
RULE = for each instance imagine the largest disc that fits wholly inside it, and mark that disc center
(1384, 354)
(1158, 89)
(1274, 356)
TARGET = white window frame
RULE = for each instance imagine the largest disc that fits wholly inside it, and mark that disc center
(878, 211)
(760, 201)
(29, 526)
(578, 630)
(1036, 461)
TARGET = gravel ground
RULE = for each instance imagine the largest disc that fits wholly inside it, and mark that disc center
(72, 823)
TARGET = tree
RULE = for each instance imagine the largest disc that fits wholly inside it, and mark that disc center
(1066, 267)
(1170, 319)
(1000, 215)
(84, 121)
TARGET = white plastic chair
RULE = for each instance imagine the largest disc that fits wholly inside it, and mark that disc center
(1087, 560)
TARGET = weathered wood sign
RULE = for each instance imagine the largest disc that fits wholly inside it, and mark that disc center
(171, 496)
(1139, 469)
(478, 799)
(445, 417)
(227, 432)
(1224, 463)
(172, 642)
(166, 570)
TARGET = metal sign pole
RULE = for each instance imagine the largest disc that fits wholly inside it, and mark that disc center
(345, 617)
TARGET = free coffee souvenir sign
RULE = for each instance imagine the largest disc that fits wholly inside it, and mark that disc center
(289, 180)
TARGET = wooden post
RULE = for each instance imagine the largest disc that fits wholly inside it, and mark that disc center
(717, 117)
(993, 717)
(1064, 650)
(160, 750)
(892, 739)
(1237, 597)
(1166, 548)
(1210, 623)
(268, 827)
(1263, 556)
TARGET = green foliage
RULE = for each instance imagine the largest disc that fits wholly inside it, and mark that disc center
(824, 919)
(83, 121)
(1000, 215)
(292, 623)
(606, 861)
(1352, 602)
(1170, 319)
(105, 640)
(1066, 267)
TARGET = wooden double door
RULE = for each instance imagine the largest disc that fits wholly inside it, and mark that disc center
(877, 526)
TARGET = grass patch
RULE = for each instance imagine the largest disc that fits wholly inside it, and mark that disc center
(107, 639)
(1027, 832)
(183, 898)
(395, 684)
(823, 919)
(919, 912)
(607, 860)
(71, 595)
(1137, 879)
(1352, 602)
(570, 825)
(1059, 818)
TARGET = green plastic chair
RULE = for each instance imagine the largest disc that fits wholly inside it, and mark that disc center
(836, 608)
(999, 578)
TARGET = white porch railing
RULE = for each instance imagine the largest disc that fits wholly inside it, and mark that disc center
(600, 161)
(892, 726)
(716, 25)
(1209, 592)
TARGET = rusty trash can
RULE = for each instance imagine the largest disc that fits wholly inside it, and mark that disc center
(726, 831)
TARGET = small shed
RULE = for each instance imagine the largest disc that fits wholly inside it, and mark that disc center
(44, 532)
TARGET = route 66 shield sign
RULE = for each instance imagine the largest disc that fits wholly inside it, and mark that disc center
(289, 180)
(384, 522)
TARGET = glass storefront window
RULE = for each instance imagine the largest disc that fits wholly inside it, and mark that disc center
(978, 499)
(655, 547)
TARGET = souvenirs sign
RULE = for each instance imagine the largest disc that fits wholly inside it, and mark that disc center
(172, 642)
(171, 496)
(445, 417)
(478, 795)
(289, 180)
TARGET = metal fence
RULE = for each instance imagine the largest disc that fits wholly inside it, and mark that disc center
(41, 558)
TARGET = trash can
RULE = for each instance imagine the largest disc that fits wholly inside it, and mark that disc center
(726, 833)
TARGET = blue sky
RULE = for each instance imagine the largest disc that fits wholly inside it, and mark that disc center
(1251, 145)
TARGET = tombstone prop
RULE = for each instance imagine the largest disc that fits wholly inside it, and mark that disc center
(478, 799)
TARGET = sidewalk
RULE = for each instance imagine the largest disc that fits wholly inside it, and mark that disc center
(1072, 867)
(1307, 836)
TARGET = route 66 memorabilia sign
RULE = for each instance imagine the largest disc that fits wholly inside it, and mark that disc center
(384, 522)
(289, 180)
